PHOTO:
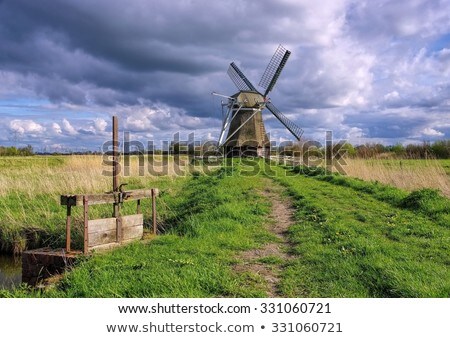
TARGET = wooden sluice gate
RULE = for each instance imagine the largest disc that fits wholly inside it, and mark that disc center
(98, 234)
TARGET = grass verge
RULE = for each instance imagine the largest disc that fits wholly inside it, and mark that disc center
(357, 239)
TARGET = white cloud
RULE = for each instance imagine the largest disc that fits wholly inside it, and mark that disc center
(26, 127)
(431, 132)
(68, 128)
(56, 128)
(148, 117)
(100, 124)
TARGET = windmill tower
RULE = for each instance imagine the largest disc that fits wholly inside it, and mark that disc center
(243, 120)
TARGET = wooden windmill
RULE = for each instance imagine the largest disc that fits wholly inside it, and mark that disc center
(243, 120)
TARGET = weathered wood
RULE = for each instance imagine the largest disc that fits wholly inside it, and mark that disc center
(68, 220)
(119, 231)
(154, 194)
(43, 263)
(132, 227)
(132, 220)
(104, 247)
(135, 232)
(86, 224)
(115, 139)
(102, 237)
(102, 224)
(104, 230)
(131, 195)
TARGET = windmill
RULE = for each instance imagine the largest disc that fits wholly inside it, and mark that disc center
(246, 132)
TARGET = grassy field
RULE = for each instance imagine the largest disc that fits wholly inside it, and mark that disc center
(404, 174)
(357, 239)
(348, 238)
(30, 189)
(213, 218)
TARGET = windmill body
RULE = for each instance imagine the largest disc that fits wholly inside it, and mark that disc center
(243, 123)
(247, 135)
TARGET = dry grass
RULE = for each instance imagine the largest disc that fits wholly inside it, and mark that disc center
(78, 174)
(405, 174)
(30, 190)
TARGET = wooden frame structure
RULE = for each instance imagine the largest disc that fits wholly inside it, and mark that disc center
(106, 231)
(117, 229)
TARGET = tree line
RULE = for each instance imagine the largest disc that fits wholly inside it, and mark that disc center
(14, 151)
(438, 149)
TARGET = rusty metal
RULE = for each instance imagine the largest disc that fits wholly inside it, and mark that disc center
(154, 211)
(138, 207)
(86, 225)
(68, 220)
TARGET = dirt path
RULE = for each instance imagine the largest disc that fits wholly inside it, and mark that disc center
(269, 260)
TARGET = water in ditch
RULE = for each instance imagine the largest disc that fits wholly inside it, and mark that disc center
(10, 271)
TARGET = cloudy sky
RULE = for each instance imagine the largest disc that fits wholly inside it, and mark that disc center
(370, 71)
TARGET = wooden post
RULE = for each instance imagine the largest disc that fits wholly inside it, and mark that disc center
(68, 219)
(119, 229)
(154, 211)
(116, 210)
(86, 226)
(115, 139)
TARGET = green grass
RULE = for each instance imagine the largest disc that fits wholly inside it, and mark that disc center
(350, 239)
(14, 162)
(426, 201)
(211, 220)
(350, 243)
(27, 223)
(446, 165)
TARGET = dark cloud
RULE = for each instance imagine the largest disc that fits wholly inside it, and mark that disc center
(348, 58)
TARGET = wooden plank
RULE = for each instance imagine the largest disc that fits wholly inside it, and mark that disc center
(131, 195)
(102, 224)
(102, 237)
(134, 232)
(104, 247)
(103, 231)
(132, 220)
(132, 227)
(77, 200)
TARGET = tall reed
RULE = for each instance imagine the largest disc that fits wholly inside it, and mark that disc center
(405, 174)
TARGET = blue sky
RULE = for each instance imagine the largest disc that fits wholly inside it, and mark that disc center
(370, 71)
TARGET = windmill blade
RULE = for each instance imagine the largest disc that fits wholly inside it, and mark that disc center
(274, 69)
(239, 78)
(291, 126)
(226, 122)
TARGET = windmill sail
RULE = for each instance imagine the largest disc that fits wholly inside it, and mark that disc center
(274, 69)
(243, 123)
(239, 78)
(291, 126)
